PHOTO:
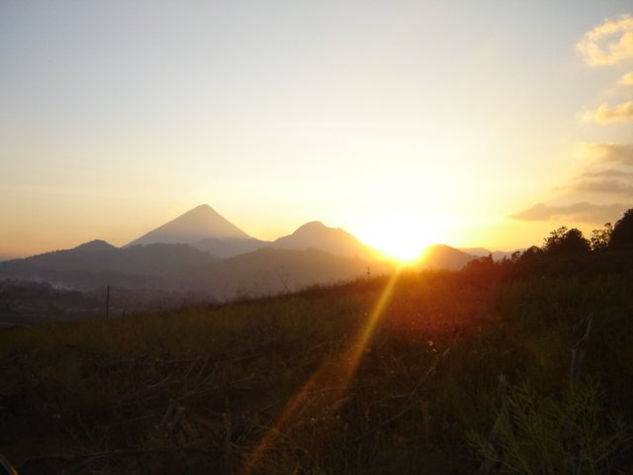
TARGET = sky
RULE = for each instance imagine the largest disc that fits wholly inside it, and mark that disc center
(404, 122)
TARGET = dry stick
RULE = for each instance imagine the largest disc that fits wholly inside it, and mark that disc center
(167, 415)
(205, 361)
(231, 384)
(191, 367)
(147, 393)
(118, 453)
(579, 351)
(428, 373)
(411, 404)
(502, 395)
(107, 306)
(269, 406)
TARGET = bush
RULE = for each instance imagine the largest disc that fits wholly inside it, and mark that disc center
(536, 434)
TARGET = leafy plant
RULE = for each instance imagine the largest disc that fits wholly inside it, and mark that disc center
(537, 434)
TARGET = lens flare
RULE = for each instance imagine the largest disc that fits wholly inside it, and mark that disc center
(332, 378)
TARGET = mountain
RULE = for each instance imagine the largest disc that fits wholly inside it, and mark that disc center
(6, 256)
(98, 263)
(200, 223)
(203, 253)
(206, 230)
(182, 268)
(441, 256)
(229, 247)
(315, 235)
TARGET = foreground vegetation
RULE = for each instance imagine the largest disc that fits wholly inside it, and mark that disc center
(459, 374)
(519, 367)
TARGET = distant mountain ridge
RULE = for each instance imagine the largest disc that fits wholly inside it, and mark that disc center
(206, 230)
(201, 251)
(97, 263)
(180, 267)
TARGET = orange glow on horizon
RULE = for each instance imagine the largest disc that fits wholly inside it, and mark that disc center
(401, 236)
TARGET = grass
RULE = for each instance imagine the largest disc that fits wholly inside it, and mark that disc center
(270, 385)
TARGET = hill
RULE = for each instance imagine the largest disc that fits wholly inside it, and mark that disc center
(97, 263)
(459, 374)
(440, 256)
(182, 268)
(271, 271)
(337, 241)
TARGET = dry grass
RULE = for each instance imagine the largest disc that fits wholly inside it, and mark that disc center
(198, 390)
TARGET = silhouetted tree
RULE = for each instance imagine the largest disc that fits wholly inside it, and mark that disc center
(526, 261)
(566, 241)
(482, 270)
(622, 234)
(530, 254)
(600, 237)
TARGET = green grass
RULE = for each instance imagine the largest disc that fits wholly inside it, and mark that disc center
(197, 390)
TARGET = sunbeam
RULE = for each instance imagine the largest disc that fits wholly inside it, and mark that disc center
(325, 389)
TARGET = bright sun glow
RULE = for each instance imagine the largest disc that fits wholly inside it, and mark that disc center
(402, 248)
(400, 238)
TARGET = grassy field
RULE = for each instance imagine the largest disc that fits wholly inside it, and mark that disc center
(455, 373)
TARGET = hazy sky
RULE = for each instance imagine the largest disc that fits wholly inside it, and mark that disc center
(470, 123)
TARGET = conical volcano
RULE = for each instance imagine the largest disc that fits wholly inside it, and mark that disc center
(201, 222)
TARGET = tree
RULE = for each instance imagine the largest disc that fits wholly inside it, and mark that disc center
(622, 234)
(566, 241)
(600, 237)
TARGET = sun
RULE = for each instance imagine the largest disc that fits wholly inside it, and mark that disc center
(398, 238)
(402, 250)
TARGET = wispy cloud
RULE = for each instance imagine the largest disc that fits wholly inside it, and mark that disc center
(609, 153)
(608, 170)
(578, 212)
(602, 186)
(608, 43)
(627, 79)
(606, 114)
(609, 173)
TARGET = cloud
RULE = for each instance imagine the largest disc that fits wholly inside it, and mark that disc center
(608, 173)
(606, 114)
(609, 153)
(605, 187)
(608, 43)
(627, 79)
(578, 212)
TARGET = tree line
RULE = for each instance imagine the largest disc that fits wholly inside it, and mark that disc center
(566, 251)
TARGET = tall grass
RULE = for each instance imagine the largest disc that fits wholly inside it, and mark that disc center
(197, 390)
